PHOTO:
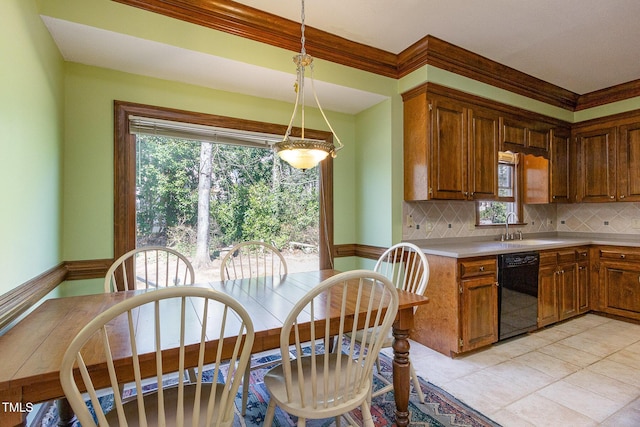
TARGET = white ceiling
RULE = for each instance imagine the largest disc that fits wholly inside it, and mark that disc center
(579, 45)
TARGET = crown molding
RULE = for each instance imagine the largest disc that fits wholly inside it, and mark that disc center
(247, 22)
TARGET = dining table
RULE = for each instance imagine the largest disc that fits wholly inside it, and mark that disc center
(31, 351)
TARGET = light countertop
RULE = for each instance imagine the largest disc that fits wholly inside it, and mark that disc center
(470, 247)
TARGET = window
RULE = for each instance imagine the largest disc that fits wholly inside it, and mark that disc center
(489, 212)
(125, 171)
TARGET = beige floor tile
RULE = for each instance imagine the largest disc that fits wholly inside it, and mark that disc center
(578, 373)
(505, 417)
(591, 344)
(550, 365)
(616, 371)
(629, 416)
(635, 348)
(581, 400)
(605, 386)
(542, 412)
(570, 354)
(551, 334)
(627, 358)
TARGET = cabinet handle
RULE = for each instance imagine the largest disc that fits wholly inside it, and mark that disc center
(622, 196)
(612, 197)
(622, 256)
(582, 267)
(482, 268)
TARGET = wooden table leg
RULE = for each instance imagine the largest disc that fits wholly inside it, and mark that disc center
(401, 369)
(66, 417)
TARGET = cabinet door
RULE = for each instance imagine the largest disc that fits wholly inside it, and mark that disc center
(629, 163)
(583, 287)
(597, 167)
(560, 167)
(449, 150)
(567, 275)
(416, 150)
(513, 134)
(483, 154)
(479, 317)
(547, 295)
(620, 288)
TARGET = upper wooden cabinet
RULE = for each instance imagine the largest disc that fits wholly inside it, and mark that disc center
(523, 136)
(608, 159)
(452, 139)
(629, 162)
(450, 149)
(560, 176)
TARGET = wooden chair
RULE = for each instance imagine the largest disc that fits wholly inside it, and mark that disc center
(196, 319)
(407, 267)
(252, 259)
(319, 384)
(162, 267)
(248, 260)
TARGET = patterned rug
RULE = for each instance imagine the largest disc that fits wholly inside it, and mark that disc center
(439, 410)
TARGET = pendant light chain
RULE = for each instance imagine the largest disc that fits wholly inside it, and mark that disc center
(303, 51)
(304, 153)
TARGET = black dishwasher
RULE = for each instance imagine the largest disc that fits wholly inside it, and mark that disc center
(518, 293)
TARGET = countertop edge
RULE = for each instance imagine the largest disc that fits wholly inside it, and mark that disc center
(469, 248)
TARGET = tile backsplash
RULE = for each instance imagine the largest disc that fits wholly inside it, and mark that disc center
(443, 219)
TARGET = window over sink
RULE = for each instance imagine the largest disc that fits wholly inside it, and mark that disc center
(508, 202)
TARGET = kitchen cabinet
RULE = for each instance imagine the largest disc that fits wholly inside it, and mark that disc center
(479, 303)
(618, 276)
(462, 314)
(452, 139)
(524, 136)
(560, 176)
(450, 149)
(563, 284)
(547, 289)
(629, 162)
(608, 166)
(597, 165)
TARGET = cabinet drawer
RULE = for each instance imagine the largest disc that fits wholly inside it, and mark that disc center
(548, 258)
(566, 256)
(619, 254)
(582, 254)
(478, 268)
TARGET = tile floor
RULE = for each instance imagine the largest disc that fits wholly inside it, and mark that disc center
(584, 372)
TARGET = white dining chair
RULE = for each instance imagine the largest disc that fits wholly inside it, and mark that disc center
(204, 325)
(408, 268)
(318, 384)
(247, 260)
(150, 267)
(252, 259)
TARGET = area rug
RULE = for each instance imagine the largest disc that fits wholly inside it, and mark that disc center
(439, 410)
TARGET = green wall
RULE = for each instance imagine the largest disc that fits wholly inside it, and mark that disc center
(31, 132)
(88, 161)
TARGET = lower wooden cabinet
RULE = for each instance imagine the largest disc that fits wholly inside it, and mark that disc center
(563, 284)
(462, 314)
(479, 310)
(618, 275)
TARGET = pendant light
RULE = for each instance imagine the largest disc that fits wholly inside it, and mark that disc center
(304, 153)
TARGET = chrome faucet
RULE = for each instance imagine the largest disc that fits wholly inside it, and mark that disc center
(506, 225)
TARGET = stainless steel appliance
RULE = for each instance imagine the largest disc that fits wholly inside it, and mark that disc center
(518, 293)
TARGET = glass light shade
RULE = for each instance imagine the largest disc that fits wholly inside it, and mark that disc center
(303, 158)
(303, 153)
